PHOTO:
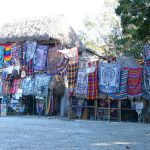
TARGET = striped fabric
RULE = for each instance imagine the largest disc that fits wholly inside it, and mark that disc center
(16, 53)
(134, 87)
(122, 94)
(7, 54)
(72, 72)
(1, 56)
(93, 82)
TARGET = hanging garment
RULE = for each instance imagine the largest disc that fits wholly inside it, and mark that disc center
(146, 52)
(28, 86)
(5, 88)
(39, 107)
(109, 77)
(1, 87)
(1, 56)
(72, 72)
(15, 86)
(16, 53)
(82, 83)
(93, 82)
(134, 86)
(30, 68)
(7, 54)
(23, 54)
(40, 57)
(41, 85)
(122, 94)
(146, 87)
(30, 50)
(54, 58)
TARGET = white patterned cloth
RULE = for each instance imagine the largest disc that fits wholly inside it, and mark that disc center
(109, 77)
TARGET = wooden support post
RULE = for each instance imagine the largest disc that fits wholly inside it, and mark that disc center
(119, 113)
(109, 109)
(95, 108)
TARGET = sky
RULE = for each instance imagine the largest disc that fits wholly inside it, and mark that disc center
(74, 10)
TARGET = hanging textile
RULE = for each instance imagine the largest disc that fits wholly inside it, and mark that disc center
(40, 57)
(93, 82)
(82, 83)
(109, 77)
(23, 54)
(72, 70)
(30, 50)
(15, 86)
(28, 86)
(5, 88)
(41, 85)
(39, 107)
(146, 73)
(134, 86)
(54, 58)
(1, 87)
(1, 56)
(7, 54)
(122, 94)
(30, 68)
(16, 53)
(146, 52)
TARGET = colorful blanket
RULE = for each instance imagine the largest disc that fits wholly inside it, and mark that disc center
(30, 50)
(82, 83)
(40, 57)
(93, 82)
(122, 94)
(7, 54)
(109, 77)
(1, 56)
(16, 53)
(134, 87)
(15, 86)
(28, 86)
(54, 58)
(41, 84)
(72, 72)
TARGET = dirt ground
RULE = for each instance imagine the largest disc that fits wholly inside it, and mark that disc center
(40, 133)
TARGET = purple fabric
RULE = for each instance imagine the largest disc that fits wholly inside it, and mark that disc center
(40, 57)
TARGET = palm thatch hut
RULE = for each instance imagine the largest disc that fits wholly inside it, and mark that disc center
(50, 30)
(45, 30)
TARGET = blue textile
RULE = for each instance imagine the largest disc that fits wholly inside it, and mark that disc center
(1, 56)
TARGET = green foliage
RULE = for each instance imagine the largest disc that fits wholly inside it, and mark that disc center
(135, 21)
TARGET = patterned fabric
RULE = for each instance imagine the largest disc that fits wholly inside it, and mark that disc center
(5, 88)
(7, 54)
(62, 66)
(29, 68)
(40, 57)
(82, 83)
(122, 94)
(54, 58)
(30, 50)
(134, 87)
(1, 56)
(109, 75)
(147, 59)
(72, 72)
(23, 54)
(16, 53)
(93, 82)
(146, 75)
(1, 87)
(28, 86)
(15, 86)
(41, 85)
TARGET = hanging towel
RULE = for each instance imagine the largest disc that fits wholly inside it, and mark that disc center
(122, 94)
(109, 77)
(40, 57)
(1, 56)
(30, 50)
(134, 87)
(93, 82)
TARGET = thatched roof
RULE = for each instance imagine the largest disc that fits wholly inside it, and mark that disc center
(40, 29)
